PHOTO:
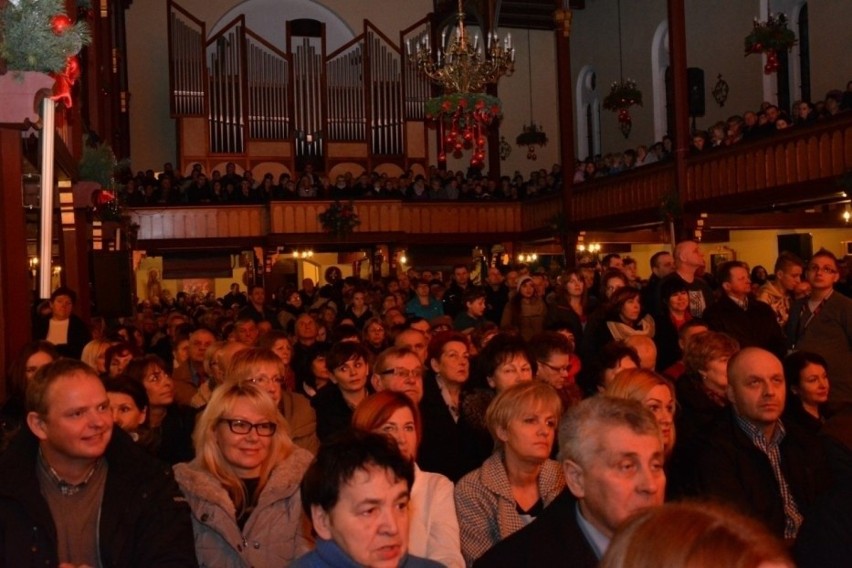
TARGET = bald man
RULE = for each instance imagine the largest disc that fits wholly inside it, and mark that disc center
(770, 470)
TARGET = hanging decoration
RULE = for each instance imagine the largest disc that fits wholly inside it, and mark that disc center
(463, 69)
(339, 219)
(505, 149)
(464, 118)
(531, 135)
(770, 37)
(39, 36)
(622, 94)
(720, 91)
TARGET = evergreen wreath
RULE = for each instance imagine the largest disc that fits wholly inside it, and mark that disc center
(339, 219)
(37, 35)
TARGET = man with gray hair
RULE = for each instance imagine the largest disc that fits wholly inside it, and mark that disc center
(612, 457)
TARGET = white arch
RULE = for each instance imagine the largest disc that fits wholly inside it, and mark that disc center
(587, 97)
(792, 9)
(659, 64)
(268, 18)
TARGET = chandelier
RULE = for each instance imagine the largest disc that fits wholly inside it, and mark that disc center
(462, 68)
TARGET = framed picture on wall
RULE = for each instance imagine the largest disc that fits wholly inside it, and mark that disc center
(721, 255)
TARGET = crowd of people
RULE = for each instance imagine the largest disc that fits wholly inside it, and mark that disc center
(200, 187)
(529, 419)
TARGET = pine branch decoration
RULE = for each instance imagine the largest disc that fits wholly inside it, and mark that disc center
(33, 38)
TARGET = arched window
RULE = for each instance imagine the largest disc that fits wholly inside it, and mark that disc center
(659, 65)
(588, 114)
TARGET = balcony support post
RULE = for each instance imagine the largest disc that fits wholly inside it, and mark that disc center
(568, 237)
(680, 132)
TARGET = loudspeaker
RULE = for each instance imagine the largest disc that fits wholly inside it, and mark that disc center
(112, 284)
(695, 90)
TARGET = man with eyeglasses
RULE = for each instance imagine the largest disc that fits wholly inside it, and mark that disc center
(822, 323)
(399, 369)
(77, 491)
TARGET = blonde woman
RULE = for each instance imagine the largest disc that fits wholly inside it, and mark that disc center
(264, 369)
(655, 393)
(243, 485)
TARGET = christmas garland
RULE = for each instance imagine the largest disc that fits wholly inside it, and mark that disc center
(622, 94)
(339, 219)
(771, 35)
(481, 107)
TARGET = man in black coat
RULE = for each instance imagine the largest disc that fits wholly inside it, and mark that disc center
(612, 456)
(752, 460)
(76, 490)
(740, 315)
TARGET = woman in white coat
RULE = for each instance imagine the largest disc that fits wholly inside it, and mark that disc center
(243, 485)
(433, 526)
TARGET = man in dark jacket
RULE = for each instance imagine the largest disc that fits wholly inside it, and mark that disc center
(75, 490)
(599, 440)
(767, 469)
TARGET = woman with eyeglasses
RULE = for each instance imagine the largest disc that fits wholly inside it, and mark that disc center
(265, 370)
(433, 530)
(243, 486)
(168, 425)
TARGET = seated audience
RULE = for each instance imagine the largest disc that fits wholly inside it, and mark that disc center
(349, 365)
(433, 527)
(243, 486)
(356, 493)
(128, 402)
(64, 329)
(32, 357)
(655, 393)
(399, 369)
(599, 438)
(806, 375)
(519, 480)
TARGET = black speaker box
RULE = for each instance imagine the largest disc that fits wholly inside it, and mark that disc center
(112, 284)
(695, 89)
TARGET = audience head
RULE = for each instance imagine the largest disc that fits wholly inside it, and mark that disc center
(806, 374)
(553, 354)
(612, 454)
(352, 472)
(62, 302)
(238, 416)
(523, 419)
(734, 277)
(823, 271)
(449, 356)
(674, 296)
(788, 271)
(117, 357)
(150, 372)
(259, 367)
(611, 281)
(694, 535)
(128, 401)
(662, 263)
(688, 257)
(645, 349)
(32, 357)
(707, 354)
(349, 365)
(624, 305)
(504, 361)
(278, 342)
(392, 414)
(756, 387)
(415, 340)
(399, 369)
(94, 354)
(616, 357)
(246, 331)
(655, 392)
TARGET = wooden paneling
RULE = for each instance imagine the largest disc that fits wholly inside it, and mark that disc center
(201, 222)
(639, 190)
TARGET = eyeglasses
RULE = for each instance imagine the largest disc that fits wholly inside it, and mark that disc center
(566, 369)
(403, 373)
(156, 377)
(823, 269)
(264, 380)
(242, 427)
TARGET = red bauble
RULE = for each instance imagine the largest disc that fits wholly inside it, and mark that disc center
(60, 23)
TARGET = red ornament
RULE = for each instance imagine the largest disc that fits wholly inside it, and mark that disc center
(60, 23)
(462, 103)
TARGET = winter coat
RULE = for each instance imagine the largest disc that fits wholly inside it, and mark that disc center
(276, 532)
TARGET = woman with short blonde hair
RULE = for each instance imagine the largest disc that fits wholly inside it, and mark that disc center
(519, 480)
(243, 485)
(655, 393)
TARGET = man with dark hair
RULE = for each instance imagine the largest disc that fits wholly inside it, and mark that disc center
(473, 316)
(424, 304)
(822, 323)
(612, 457)
(74, 490)
(778, 293)
(662, 264)
(356, 494)
(612, 260)
(256, 308)
(556, 363)
(497, 295)
(189, 377)
(737, 313)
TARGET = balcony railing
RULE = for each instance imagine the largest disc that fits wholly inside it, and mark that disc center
(742, 176)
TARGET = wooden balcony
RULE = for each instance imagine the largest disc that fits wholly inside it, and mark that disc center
(800, 165)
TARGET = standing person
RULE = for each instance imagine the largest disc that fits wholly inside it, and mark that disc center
(243, 486)
(662, 264)
(526, 311)
(63, 328)
(740, 315)
(673, 315)
(433, 527)
(519, 480)
(571, 306)
(497, 295)
(454, 296)
(257, 309)
(76, 491)
(778, 293)
(689, 262)
(822, 323)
